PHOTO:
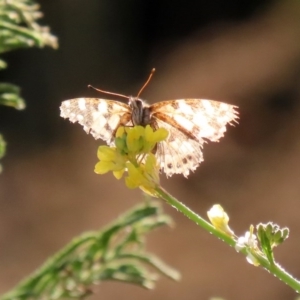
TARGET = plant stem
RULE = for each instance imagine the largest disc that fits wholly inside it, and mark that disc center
(278, 272)
(163, 194)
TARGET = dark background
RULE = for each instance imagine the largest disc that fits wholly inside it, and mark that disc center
(245, 53)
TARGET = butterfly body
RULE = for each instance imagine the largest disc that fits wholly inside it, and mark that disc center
(189, 123)
(140, 113)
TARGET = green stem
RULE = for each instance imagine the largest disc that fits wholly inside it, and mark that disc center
(163, 194)
(274, 269)
(278, 272)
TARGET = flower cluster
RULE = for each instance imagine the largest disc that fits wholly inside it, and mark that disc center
(133, 153)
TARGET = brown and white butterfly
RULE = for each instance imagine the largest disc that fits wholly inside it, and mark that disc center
(188, 121)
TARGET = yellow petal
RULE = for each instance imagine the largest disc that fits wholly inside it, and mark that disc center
(219, 218)
(120, 131)
(103, 167)
(106, 153)
(118, 174)
(130, 183)
(160, 134)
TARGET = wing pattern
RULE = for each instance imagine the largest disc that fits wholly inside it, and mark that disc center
(99, 117)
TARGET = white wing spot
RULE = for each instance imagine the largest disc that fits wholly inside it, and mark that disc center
(79, 118)
(186, 109)
(184, 122)
(81, 104)
(113, 121)
(99, 122)
(67, 103)
(102, 106)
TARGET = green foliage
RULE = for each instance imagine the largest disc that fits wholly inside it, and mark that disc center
(10, 96)
(2, 149)
(271, 235)
(19, 29)
(114, 253)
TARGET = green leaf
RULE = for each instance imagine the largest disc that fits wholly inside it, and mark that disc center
(270, 236)
(19, 27)
(2, 149)
(2, 146)
(3, 64)
(10, 96)
(265, 243)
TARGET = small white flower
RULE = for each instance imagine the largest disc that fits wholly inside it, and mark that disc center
(248, 241)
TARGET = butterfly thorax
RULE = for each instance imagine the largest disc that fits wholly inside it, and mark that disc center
(140, 114)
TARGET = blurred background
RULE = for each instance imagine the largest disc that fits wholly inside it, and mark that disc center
(246, 53)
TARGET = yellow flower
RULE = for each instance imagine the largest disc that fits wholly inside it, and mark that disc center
(120, 141)
(151, 138)
(134, 139)
(110, 160)
(138, 139)
(133, 154)
(219, 218)
(144, 176)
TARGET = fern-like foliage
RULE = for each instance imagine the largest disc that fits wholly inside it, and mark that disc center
(19, 29)
(115, 253)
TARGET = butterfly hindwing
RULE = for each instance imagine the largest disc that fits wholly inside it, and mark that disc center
(179, 154)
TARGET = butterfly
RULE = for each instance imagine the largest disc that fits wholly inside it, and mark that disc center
(190, 122)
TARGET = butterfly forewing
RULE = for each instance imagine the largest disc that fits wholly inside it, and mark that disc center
(99, 117)
(200, 118)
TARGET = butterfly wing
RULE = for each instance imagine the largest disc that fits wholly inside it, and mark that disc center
(99, 117)
(189, 122)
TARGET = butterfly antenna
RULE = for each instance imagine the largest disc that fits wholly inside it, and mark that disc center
(146, 83)
(106, 92)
